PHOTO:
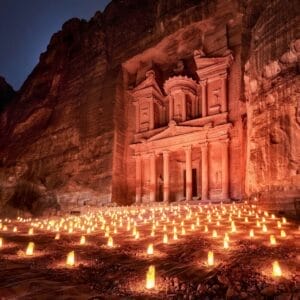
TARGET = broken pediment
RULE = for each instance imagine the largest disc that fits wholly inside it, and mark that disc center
(211, 66)
(148, 87)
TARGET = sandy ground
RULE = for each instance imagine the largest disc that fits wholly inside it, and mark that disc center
(244, 271)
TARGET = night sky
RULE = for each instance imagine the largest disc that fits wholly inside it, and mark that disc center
(26, 27)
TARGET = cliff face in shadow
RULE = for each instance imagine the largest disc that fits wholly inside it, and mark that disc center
(68, 130)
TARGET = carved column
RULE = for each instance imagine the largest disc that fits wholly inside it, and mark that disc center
(225, 170)
(137, 119)
(171, 108)
(138, 179)
(203, 84)
(204, 164)
(152, 177)
(166, 176)
(151, 111)
(183, 101)
(224, 106)
(188, 172)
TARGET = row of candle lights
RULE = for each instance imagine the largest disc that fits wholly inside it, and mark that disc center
(90, 222)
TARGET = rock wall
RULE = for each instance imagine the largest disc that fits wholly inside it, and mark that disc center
(272, 92)
(67, 132)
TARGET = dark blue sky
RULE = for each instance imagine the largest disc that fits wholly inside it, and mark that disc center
(26, 27)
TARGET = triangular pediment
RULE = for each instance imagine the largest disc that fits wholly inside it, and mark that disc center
(148, 83)
(175, 130)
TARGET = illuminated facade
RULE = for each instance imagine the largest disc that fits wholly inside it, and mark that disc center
(181, 144)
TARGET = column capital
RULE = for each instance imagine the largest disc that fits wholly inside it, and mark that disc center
(223, 76)
(225, 141)
(166, 152)
(204, 145)
(203, 82)
(187, 148)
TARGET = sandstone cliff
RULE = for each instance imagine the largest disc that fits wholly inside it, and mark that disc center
(6, 93)
(67, 132)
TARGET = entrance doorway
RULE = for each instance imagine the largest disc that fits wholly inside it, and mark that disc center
(194, 183)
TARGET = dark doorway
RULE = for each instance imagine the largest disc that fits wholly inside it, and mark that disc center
(194, 183)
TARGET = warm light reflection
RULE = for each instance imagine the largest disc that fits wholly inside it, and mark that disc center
(1, 242)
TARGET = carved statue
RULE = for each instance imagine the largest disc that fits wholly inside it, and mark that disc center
(179, 68)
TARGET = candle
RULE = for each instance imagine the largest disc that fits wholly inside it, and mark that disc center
(150, 249)
(82, 240)
(276, 269)
(251, 233)
(282, 234)
(70, 259)
(150, 277)
(165, 239)
(29, 250)
(272, 240)
(226, 244)
(210, 258)
(110, 242)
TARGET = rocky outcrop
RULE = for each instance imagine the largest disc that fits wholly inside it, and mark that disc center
(6, 93)
(68, 130)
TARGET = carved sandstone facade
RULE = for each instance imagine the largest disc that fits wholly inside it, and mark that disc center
(181, 143)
